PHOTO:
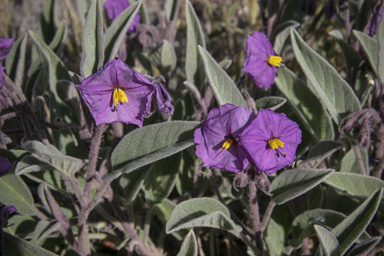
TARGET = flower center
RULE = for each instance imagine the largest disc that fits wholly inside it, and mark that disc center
(275, 143)
(227, 143)
(119, 96)
(274, 60)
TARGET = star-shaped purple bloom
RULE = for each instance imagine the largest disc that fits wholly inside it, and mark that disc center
(115, 7)
(117, 93)
(261, 63)
(5, 46)
(271, 140)
(218, 136)
(5, 166)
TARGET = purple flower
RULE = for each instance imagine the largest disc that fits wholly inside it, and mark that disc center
(218, 136)
(5, 46)
(374, 22)
(117, 93)
(5, 166)
(9, 208)
(271, 140)
(115, 7)
(162, 98)
(1, 77)
(261, 63)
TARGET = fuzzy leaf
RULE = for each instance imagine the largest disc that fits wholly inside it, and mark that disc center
(337, 96)
(281, 34)
(223, 87)
(328, 241)
(350, 55)
(45, 228)
(380, 53)
(349, 162)
(365, 247)
(17, 246)
(115, 34)
(163, 57)
(319, 152)
(306, 105)
(193, 61)
(370, 48)
(274, 238)
(271, 102)
(15, 60)
(201, 212)
(92, 41)
(355, 184)
(189, 245)
(131, 183)
(151, 143)
(31, 164)
(170, 8)
(293, 183)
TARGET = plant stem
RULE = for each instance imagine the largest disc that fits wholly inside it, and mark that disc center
(147, 223)
(359, 159)
(255, 215)
(267, 215)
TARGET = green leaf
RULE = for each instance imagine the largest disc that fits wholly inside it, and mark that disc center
(47, 21)
(161, 179)
(163, 57)
(355, 184)
(201, 212)
(351, 57)
(189, 245)
(315, 198)
(82, 8)
(22, 226)
(336, 94)
(131, 183)
(223, 87)
(271, 102)
(184, 182)
(144, 19)
(225, 64)
(274, 238)
(370, 48)
(13, 191)
(170, 8)
(293, 183)
(380, 53)
(302, 226)
(163, 212)
(281, 33)
(351, 228)
(64, 164)
(306, 105)
(193, 61)
(15, 60)
(319, 152)
(92, 41)
(31, 164)
(328, 241)
(149, 144)
(44, 228)
(16, 246)
(114, 35)
(349, 162)
(365, 247)
(340, 201)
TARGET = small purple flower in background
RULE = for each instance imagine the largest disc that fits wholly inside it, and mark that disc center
(218, 136)
(5, 166)
(117, 93)
(162, 98)
(115, 7)
(374, 22)
(271, 140)
(5, 46)
(10, 209)
(262, 62)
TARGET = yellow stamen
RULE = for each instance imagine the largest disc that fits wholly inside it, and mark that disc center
(274, 60)
(275, 143)
(227, 143)
(119, 96)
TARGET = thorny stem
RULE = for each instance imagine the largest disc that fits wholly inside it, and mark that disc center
(359, 159)
(255, 215)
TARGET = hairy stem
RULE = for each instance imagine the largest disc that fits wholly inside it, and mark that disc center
(359, 159)
(267, 215)
(255, 215)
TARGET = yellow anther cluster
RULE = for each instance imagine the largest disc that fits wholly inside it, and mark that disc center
(119, 96)
(227, 143)
(275, 143)
(274, 60)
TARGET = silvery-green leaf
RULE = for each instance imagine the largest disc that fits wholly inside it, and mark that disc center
(351, 228)
(336, 94)
(380, 53)
(319, 152)
(184, 180)
(82, 8)
(31, 164)
(17, 246)
(13, 191)
(23, 226)
(47, 21)
(92, 41)
(315, 198)
(151, 143)
(370, 48)
(349, 162)
(194, 67)
(201, 212)
(161, 179)
(131, 183)
(365, 247)
(271, 102)
(340, 201)
(274, 238)
(328, 241)
(293, 183)
(170, 8)
(351, 57)
(306, 105)
(144, 18)
(223, 87)
(355, 184)
(15, 61)
(225, 64)
(114, 35)
(302, 226)
(281, 33)
(163, 212)
(64, 164)
(45, 228)
(163, 57)
(189, 245)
